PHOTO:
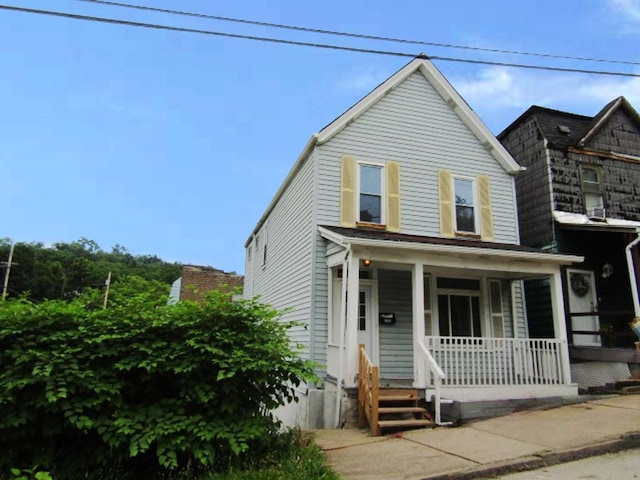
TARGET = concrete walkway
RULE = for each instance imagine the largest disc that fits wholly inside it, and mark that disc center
(487, 448)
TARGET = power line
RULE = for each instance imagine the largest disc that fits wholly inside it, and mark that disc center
(304, 44)
(352, 35)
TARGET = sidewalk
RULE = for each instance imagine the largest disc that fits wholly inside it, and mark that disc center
(487, 448)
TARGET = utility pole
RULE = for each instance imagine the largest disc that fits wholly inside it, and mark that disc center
(106, 292)
(8, 270)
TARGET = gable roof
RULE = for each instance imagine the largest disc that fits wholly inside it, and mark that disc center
(550, 122)
(421, 64)
(605, 114)
(564, 129)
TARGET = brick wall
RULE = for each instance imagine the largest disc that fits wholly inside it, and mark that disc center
(197, 281)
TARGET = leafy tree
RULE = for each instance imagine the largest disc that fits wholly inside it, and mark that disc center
(141, 388)
(65, 270)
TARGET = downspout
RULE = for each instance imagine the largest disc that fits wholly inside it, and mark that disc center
(343, 321)
(632, 275)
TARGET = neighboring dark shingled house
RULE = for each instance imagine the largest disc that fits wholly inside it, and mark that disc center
(580, 194)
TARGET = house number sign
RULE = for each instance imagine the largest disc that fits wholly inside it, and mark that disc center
(387, 318)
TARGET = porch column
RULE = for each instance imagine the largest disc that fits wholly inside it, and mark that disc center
(351, 350)
(559, 322)
(419, 373)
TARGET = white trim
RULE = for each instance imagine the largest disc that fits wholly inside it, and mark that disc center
(515, 392)
(449, 95)
(476, 203)
(383, 191)
(554, 259)
(419, 371)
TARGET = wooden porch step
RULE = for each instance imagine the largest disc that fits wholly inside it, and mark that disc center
(408, 423)
(396, 398)
(383, 410)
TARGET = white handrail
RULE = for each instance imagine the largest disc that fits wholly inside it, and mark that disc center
(438, 375)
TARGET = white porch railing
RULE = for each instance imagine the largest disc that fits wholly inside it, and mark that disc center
(436, 373)
(477, 361)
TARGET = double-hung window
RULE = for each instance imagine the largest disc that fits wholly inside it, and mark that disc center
(465, 198)
(591, 178)
(370, 193)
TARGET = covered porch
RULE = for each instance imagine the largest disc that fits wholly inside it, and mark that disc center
(445, 316)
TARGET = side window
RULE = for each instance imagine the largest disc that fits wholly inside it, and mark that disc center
(591, 179)
(264, 247)
(370, 193)
(249, 253)
(465, 195)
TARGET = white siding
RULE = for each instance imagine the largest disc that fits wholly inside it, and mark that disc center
(320, 329)
(414, 126)
(396, 341)
(521, 315)
(285, 281)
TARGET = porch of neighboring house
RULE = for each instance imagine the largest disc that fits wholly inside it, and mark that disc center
(433, 325)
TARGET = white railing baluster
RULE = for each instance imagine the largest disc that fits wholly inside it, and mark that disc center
(474, 361)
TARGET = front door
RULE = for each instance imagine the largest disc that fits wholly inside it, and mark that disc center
(365, 322)
(583, 299)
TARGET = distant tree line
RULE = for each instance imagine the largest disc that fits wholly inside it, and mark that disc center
(64, 270)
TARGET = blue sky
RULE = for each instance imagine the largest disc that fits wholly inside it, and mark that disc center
(173, 144)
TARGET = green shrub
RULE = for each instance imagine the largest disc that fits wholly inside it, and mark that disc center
(141, 388)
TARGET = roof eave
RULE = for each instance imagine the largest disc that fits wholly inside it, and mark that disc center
(306, 151)
(549, 258)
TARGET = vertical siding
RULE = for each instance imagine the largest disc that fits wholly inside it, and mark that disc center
(396, 341)
(285, 281)
(414, 126)
(527, 146)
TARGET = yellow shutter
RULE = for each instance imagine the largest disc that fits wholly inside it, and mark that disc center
(348, 192)
(486, 222)
(393, 196)
(446, 203)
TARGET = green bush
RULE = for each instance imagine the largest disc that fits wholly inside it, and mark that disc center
(141, 388)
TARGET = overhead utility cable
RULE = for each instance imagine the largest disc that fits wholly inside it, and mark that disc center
(304, 44)
(352, 35)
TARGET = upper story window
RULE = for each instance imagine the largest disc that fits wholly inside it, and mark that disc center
(370, 198)
(465, 205)
(370, 194)
(591, 178)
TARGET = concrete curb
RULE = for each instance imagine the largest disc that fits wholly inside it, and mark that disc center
(624, 442)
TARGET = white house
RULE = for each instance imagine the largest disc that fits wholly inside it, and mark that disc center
(397, 229)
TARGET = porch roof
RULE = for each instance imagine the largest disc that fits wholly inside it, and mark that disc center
(583, 222)
(444, 246)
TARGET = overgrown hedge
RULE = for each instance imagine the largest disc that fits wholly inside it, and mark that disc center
(141, 387)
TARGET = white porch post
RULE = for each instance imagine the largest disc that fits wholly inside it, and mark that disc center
(419, 373)
(351, 350)
(559, 322)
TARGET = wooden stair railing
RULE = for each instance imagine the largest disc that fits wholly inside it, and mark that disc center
(368, 387)
(386, 408)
